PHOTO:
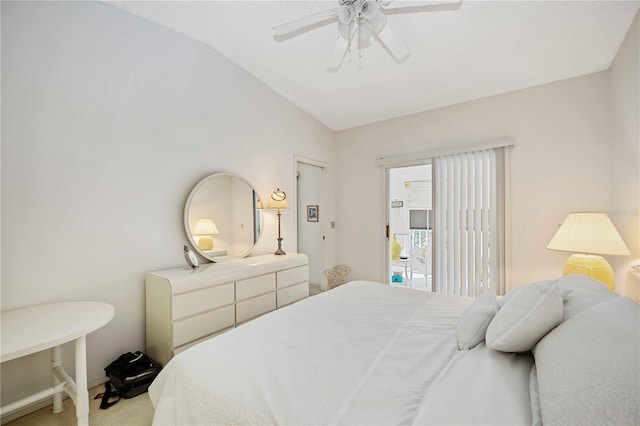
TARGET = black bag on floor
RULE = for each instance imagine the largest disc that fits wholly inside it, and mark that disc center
(132, 373)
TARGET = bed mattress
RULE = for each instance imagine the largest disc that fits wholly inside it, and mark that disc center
(362, 353)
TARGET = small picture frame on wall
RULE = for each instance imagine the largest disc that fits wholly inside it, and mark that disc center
(312, 213)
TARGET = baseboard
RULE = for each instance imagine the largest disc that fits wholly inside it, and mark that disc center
(32, 408)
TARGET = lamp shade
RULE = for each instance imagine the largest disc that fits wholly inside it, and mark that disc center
(589, 233)
(205, 227)
(278, 200)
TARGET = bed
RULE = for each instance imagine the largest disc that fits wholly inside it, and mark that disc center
(368, 353)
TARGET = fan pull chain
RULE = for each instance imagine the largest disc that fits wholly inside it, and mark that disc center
(359, 46)
(349, 45)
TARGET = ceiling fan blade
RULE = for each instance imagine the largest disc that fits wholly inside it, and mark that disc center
(397, 48)
(302, 25)
(338, 54)
(390, 7)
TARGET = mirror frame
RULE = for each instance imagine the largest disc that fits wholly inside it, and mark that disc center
(187, 229)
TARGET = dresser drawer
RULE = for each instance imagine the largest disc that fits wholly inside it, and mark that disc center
(195, 302)
(182, 348)
(202, 325)
(292, 276)
(184, 307)
(293, 294)
(255, 307)
(246, 289)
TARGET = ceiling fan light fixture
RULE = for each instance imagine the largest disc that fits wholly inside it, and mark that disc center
(345, 14)
(366, 19)
(365, 43)
(365, 33)
(345, 30)
(369, 9)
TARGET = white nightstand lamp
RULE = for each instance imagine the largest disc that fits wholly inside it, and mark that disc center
(591, 234)
(205, 229)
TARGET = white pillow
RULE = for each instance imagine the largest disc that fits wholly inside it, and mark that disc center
(588, 367)
(525, 318)
(474, 321)
(504, 299)
(581, 292)
(566, 291)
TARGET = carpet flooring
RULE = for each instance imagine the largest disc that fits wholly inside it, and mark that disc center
(137, 411)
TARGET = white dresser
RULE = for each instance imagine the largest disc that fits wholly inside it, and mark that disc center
(184, 307)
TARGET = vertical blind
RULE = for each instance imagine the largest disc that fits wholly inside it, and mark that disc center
(469, 222)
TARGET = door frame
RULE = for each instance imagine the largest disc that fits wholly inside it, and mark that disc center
(323, 211)
(416, 158)
(386, 201)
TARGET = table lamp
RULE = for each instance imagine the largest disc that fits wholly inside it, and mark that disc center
(589, 234)
(278, 200)
(205, 228)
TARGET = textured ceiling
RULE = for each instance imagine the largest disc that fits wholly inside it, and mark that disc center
(482, 49)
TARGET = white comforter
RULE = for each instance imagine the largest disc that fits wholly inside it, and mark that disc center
(363, 353)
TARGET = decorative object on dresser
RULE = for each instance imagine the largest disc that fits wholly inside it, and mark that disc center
(233, 202)
(184, 308)
(190, 257)
(278, 200)
(589, 234)
(205, 229)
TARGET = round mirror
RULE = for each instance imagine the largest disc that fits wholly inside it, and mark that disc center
(223, 217)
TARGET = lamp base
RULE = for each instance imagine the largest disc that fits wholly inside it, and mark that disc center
(279, 252)
(595, 267)
(205, 242)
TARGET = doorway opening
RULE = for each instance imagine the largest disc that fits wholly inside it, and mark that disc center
(410, 213)
(310, 216)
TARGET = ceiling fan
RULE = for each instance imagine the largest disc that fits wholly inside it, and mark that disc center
(360, 22)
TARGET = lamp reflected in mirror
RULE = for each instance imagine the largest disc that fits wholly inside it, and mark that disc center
(205, 229)
(222, 207)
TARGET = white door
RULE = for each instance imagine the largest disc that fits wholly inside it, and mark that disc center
(310, 218)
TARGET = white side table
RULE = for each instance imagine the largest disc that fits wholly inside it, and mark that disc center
(36, 328)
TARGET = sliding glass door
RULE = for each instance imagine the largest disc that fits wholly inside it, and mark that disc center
(469, 215)
(446, 222)
(410, 226)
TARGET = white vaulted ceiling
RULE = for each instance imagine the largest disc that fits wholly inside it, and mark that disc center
(482, 49)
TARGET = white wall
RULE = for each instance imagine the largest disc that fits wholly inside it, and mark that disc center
(561, 163)
(108, 121)
(624, 86)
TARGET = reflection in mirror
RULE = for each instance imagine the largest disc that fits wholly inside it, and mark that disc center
(223, 217)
